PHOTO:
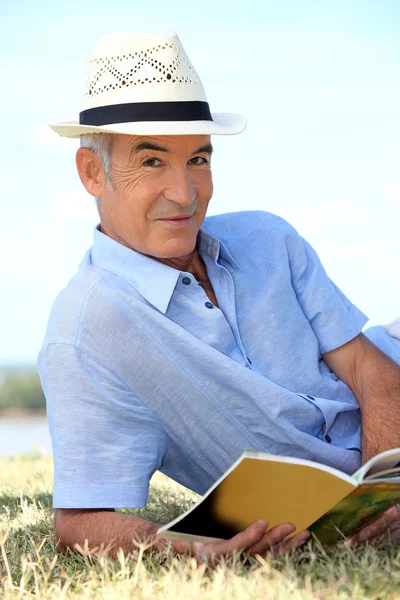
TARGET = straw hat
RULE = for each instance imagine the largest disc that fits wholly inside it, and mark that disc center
(141, 84)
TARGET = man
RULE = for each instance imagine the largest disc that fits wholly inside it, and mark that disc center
(181, 342)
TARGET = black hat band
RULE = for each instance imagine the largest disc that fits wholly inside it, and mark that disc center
(146, 111)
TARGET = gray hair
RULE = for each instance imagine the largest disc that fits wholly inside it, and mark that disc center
(101, 144)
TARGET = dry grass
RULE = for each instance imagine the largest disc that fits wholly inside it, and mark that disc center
(30, 568)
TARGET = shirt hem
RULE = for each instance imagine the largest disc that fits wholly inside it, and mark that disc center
(97, 496)
(350, 329)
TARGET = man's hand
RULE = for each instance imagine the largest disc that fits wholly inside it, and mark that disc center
(255, 539)
(385, 529)
(112, 530)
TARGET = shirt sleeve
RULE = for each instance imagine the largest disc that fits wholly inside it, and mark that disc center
(106, 442)
(333, 318)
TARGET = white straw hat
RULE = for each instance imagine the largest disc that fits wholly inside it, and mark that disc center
(141, 84)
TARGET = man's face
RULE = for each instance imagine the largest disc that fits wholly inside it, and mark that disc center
(161, 187)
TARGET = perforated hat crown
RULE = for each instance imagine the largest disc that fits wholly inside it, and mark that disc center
(141, 84)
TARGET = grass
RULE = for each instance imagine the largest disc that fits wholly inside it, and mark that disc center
(30, 567)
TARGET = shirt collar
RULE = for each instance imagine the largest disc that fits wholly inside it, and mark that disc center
(214, 248)
(154, 281)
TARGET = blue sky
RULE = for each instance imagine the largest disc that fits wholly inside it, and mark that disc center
(318, 83)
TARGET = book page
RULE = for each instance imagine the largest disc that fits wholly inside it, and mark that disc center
(367, 502)
(381, 462)
(387, 474)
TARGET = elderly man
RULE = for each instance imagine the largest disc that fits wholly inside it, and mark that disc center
(183, 341)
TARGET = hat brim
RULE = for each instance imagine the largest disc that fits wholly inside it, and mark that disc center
(222, 124)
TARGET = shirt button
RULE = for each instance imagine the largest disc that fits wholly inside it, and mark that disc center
(186, 281)
(209, 305)
(310, 397)
(328, 439)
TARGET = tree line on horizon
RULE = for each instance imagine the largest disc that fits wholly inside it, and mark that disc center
(22, 392)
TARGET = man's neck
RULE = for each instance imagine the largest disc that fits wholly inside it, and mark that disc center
(192, 263)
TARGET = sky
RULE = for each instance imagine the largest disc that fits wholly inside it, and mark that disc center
(318, 82)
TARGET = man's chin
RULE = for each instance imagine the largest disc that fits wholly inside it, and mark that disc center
(175, 250)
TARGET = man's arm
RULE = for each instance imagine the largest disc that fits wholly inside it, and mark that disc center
(374, 379)
(102, 528)
(107, 529)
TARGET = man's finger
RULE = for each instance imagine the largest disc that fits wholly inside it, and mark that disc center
(273, 536)
(242, 541)
(377, 527)
(292, 544)
(392, 535)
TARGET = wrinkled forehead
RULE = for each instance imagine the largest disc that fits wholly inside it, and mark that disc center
(132, 145)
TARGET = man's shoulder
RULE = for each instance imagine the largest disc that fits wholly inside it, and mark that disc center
(244, 222)
(86, 306)
(96, 305)
(248, 227)
(71, 303)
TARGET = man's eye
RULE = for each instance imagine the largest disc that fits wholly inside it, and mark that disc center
(199, 161)
(152, 162)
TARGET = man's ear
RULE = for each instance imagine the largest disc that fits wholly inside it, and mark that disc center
(91, 171)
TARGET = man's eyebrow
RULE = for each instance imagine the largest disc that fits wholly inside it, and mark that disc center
(147, 146)
(206, 148)
(152, 146)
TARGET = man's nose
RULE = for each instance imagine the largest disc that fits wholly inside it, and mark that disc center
(180, 188)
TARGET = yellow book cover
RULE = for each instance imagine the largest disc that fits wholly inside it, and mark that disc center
(284, 489)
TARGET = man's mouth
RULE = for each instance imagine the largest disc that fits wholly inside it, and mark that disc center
(178, 220)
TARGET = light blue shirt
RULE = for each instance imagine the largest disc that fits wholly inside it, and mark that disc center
(141, 372)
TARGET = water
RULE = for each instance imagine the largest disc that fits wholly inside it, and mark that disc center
(20, 435)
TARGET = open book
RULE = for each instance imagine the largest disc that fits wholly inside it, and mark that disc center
(282, 489)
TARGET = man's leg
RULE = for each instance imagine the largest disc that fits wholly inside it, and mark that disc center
(387, 338)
